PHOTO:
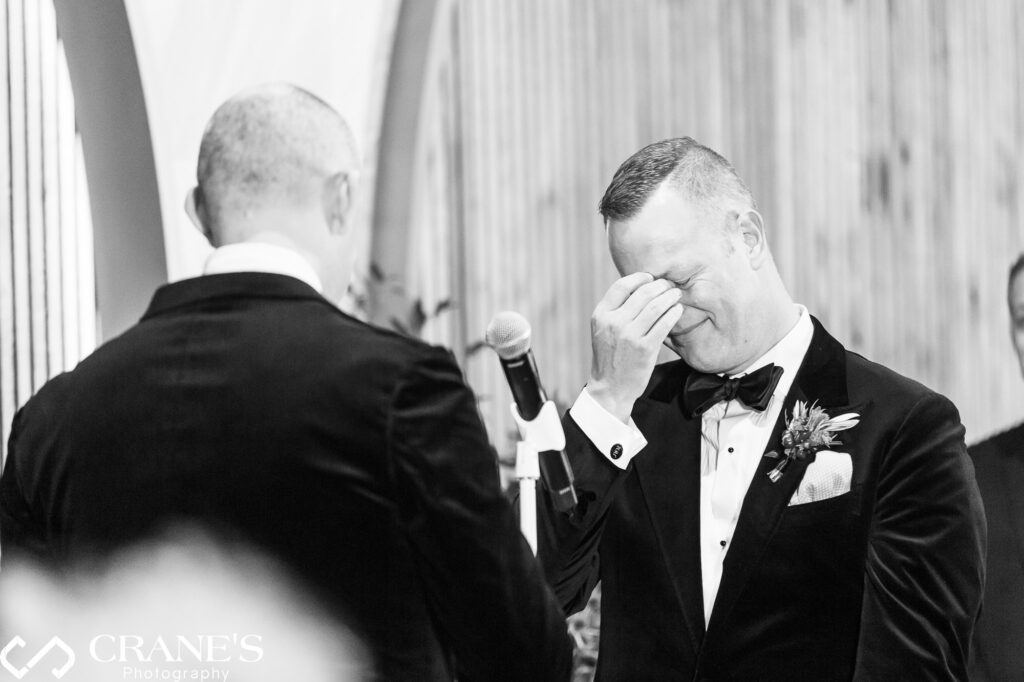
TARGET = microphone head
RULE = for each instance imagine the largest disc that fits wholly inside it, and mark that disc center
(509, 335)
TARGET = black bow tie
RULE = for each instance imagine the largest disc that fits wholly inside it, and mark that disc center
(703, 391)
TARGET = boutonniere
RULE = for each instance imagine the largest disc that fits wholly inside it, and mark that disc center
(809, 430)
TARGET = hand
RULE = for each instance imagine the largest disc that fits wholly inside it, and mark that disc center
(627, 329)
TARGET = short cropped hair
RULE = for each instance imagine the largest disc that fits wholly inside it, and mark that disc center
(266, 143)
(700, 173)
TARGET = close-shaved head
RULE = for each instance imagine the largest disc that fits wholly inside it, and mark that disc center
(271, 146)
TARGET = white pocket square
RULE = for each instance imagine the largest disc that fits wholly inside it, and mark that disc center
(827, 476)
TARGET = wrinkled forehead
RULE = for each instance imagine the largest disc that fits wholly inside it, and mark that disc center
(667, 234)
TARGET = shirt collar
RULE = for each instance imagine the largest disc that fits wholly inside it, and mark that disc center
(262, 257)
(788, 353)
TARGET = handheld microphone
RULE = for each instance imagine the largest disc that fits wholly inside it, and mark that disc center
(509, 335)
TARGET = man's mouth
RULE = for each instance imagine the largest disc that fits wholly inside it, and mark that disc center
(687, 330)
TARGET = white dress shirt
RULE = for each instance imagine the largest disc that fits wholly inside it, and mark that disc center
(262, 257)
(732, 444)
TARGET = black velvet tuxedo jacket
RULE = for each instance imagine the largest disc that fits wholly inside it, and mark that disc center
(356, 457)
(880, 583)
(998, 652)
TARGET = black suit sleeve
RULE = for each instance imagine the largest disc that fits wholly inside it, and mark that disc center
(569, 543)
(486, 591)
(21, 535)
(924, 569)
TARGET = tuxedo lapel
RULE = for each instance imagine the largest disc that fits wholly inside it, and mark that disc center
(669, 475)
(821, 378)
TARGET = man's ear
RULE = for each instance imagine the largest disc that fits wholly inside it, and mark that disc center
(195, 208)
(337, 200)
(751, 229)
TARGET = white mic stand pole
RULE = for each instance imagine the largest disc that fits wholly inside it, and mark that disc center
(542, 433)
(527, 473)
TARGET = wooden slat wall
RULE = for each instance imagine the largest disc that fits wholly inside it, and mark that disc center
(47, 293)
(884, 141)
(433, 250)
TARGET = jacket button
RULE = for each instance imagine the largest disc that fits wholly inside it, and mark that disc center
(616, 451)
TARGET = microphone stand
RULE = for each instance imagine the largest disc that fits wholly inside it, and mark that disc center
(527, 473)
(542, 433)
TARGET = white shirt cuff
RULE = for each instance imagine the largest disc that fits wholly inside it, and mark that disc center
(618, 442)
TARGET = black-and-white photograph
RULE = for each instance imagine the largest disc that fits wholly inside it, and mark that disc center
(527, 340)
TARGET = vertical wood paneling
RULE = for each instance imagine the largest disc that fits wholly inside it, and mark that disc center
(884, 142)
(71, 284)
(19, 205)
(54, 273)
(8, 398)
(47, 292)
(88, 322)
(34, 195)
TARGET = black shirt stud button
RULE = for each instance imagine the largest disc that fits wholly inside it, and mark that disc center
(616, 451)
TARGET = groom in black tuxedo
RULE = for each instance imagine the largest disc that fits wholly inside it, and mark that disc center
(734, 541)
(246, 402)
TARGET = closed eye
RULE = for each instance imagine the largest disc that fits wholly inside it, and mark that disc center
(687, 282)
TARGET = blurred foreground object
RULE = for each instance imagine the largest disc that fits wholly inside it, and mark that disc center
(183, 609)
